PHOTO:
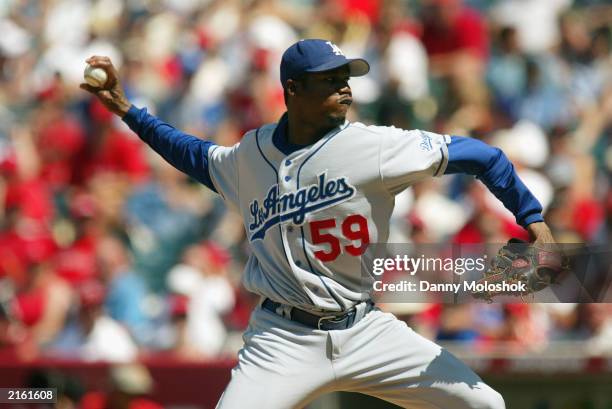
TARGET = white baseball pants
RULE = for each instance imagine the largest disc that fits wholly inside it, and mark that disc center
(284, 365)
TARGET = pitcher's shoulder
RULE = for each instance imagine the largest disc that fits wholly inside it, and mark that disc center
(376, 130)
(260, 133)
(256, 137)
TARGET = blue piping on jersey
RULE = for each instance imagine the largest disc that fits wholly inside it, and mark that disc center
(280, 232)
(262, 154)
(317, 150)
(280, 140)
(441, 161)
(312, 269)
(276, 173)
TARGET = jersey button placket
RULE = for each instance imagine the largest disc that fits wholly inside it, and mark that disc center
(288, 183)
(286, 176)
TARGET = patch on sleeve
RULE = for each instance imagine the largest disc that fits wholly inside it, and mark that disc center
(425, 144)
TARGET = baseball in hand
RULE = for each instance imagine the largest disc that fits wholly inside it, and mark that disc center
(95, 76)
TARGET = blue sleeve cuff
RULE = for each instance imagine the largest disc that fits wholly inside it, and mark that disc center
(131, 118)
(136, 120)
(532, 218)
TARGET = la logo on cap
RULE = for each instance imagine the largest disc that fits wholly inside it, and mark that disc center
(334, 48)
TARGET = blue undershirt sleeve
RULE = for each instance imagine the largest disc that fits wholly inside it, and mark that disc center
(492, 167)
(185, 152)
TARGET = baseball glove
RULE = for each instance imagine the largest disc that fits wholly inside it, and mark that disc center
(519, 269)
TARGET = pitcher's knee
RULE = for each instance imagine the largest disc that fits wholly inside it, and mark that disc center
(498, 401)
(482, 397)
(490, 399)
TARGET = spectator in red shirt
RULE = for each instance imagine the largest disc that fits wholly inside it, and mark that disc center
(111, 150)
(43, 304)
(76, 260)
(454, 36)
(59, 140)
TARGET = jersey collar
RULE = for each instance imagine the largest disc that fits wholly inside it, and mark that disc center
(280, 140)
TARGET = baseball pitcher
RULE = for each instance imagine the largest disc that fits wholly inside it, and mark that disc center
(313, 191)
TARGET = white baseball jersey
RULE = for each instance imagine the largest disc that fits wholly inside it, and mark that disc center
(310, 215)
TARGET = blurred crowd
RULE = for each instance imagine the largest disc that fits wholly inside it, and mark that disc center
(108, 253)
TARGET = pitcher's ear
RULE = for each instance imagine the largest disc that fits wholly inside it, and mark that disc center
(291, 86)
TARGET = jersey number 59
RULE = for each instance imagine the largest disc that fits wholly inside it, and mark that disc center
(354, 228)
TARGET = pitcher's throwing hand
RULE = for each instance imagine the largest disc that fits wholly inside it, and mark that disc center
(112, 94)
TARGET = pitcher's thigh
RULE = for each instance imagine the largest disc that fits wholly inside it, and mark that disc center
(387, 359)
(282, 365)
(268, 391)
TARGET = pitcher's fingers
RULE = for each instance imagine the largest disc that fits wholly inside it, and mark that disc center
(105, 95)
(100, 61)
(89, 88)
(98, 58)
(92, 60)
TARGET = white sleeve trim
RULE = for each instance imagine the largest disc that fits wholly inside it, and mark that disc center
(443, 159)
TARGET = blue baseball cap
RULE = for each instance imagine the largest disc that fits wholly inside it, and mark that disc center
(314, 55)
